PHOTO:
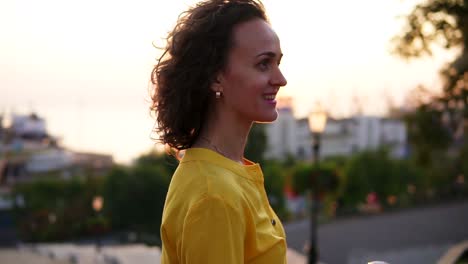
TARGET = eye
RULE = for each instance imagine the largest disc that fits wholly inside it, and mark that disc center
(264, 64)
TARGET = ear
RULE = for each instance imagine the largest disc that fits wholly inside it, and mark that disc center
(217, 83)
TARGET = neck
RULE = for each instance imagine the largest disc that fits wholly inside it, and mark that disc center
(225, 135)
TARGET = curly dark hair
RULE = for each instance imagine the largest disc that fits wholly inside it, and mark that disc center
(196, 51)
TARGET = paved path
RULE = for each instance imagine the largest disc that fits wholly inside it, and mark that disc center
(423, 255)
(400, 237)
(87, 254)
(435, 227)
(13, 256)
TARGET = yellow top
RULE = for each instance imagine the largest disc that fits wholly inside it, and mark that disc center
(217, 211)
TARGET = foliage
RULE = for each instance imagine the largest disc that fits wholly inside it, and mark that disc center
(463, 164)
(167, 163)
(135, 196)
(375, 171)
(256, 143)
(443, 118)
(56, 209)
(442, 22)
(325, 177)
(438, 125)
(426, 134)
(339, 160)
(52, 206)
(274, 175)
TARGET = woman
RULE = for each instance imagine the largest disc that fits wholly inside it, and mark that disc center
(218, 75)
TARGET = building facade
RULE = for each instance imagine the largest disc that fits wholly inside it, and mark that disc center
(288, 136)
(28, 152)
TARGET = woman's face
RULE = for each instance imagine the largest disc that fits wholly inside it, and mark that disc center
(252, 78)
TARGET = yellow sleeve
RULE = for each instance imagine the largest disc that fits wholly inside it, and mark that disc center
(213, 233)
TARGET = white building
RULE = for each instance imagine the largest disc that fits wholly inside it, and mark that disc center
(282, 135)
(27, 150)
(28, 126)
(291, 136)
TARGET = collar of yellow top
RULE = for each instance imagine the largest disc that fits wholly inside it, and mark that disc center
(250, 169)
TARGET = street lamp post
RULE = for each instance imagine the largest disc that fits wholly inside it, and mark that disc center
(97, 204)
(317, 122)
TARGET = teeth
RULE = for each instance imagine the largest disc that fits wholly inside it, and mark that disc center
(269, 97)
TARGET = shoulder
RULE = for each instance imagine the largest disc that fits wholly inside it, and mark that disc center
(199, 180)
(215, 207)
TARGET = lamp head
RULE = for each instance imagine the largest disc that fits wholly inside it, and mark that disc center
(317, 119)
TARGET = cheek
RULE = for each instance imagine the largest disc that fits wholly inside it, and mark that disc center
(245, 85)
(249, 90)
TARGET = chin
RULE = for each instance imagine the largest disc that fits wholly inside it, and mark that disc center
(268, 118)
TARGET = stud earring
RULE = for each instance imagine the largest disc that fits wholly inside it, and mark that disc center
(218, 94)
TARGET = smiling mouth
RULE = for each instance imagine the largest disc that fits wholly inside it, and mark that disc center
(270, 97)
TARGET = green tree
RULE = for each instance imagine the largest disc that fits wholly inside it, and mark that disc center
(426, 134)
(325, 177)
(166, 162)
(55, 209)
(274, 176)
(116, 197)
(375, 171)
(443, 23)
(439, 123)
(135, 196)
(256, 143)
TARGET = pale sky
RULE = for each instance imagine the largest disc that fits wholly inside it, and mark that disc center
(85, 65)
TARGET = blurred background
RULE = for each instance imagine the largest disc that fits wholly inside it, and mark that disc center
(367, 160)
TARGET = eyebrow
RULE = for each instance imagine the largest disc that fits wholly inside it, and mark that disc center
(270, 54)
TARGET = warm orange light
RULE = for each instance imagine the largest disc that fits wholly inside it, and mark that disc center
(461, 179)
(98, 202)
(317, 119)
(392, 199)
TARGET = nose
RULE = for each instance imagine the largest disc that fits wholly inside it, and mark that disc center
(278, 79)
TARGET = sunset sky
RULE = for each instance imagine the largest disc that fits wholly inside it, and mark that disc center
(84, 65)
